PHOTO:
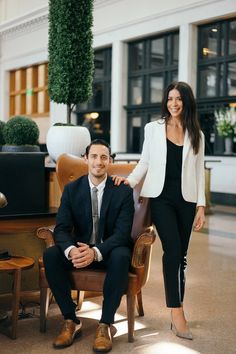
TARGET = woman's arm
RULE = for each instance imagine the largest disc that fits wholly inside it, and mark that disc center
(200, 171)
(139, 171)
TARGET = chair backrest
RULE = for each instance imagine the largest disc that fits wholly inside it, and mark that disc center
(70, 167)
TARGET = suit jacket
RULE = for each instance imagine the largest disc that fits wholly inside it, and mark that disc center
(74, 218)
(153, 164)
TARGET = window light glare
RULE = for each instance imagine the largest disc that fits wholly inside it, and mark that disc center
(94, 115)
(214, 30)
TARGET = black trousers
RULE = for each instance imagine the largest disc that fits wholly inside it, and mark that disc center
(173, 218)
(117, 266)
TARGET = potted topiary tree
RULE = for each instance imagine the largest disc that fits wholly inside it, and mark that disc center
(71, 66)
(20, 135)
(22, 177)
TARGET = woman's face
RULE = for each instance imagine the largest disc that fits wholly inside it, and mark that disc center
(175, 104)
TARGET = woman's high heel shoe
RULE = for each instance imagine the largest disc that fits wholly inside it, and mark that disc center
(184, 335)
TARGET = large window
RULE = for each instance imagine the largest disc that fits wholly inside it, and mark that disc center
(153, 64)
(29, 91)
(216, 76)
(95, 114)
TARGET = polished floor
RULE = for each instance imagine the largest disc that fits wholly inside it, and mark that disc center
(210, 304)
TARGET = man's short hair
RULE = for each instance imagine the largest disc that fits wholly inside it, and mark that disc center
(97, 142)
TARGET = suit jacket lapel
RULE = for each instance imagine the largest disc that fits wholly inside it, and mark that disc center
(108, 190)
(85, 203)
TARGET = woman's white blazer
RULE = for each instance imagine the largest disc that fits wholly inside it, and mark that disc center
(152, 165)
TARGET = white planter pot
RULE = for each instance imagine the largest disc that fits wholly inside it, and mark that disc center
(67, 139)
(228, 146)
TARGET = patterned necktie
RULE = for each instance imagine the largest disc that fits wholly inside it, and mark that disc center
(95, 215)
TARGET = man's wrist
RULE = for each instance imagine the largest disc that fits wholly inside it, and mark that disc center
(95, 255)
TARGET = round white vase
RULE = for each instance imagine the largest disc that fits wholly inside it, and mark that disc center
(67, 139)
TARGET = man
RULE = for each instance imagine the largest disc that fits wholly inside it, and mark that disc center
(92, 229)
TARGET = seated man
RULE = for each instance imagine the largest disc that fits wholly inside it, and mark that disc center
(93, 228)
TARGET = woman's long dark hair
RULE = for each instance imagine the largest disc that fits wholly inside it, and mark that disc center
(189, 115)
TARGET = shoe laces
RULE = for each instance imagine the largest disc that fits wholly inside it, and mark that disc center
(67, 326)
(103, 330)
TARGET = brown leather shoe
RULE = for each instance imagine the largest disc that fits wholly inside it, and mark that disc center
(103, 338)
(68, 332)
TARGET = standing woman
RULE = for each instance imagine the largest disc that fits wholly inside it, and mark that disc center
(172, 162)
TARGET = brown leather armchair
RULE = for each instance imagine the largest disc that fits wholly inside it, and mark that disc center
(68, 169)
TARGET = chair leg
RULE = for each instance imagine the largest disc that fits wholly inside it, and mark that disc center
(80, 299)
(44, 305)
(140, 304)
(130, 312)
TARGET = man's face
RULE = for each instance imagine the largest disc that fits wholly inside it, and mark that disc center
(98, 160)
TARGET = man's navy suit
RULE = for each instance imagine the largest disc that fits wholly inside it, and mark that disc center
(74, 224)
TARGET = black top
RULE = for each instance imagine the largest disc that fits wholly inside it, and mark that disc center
(173, 161)
(172, 185)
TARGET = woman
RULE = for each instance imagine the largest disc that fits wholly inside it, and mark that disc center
(172, 162)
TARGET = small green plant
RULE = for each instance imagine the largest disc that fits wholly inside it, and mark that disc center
(2, 140)
(21, 130)
(226, 122)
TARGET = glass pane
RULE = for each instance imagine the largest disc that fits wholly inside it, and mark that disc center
(136, 90)
(154, 117)
(97, 95)
(156, 88)
(232, 38)
(175, 54)
(231, 79)
(208, 81)
(99, 64)
(209, 36)
(136, 134)
(174, 76)
(83, 106)
(136, 56)
(157, 52)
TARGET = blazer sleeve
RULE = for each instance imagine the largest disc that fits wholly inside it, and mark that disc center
(64, 222)
(121, 232)
(200, 170)
(140, 170)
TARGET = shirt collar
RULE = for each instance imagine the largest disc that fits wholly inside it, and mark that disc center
(100, 186)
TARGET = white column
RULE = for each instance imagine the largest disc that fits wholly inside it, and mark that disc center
(188, 54)
(119, 96)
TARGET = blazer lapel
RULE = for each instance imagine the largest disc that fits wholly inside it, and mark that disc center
(187, 145)
(160, 140)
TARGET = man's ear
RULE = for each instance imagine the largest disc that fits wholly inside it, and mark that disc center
(110, 159)
(85, 159)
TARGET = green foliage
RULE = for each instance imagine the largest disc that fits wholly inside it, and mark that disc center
(226, 122)
(63, 125)
(71, 55)
(2, 140)
(21, 130)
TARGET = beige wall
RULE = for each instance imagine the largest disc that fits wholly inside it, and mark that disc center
(10, 9)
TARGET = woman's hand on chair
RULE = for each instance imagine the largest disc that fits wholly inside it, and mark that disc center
(119, 179)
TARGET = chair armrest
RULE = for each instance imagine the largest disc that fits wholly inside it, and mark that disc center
(142, 248)
(46, 234)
